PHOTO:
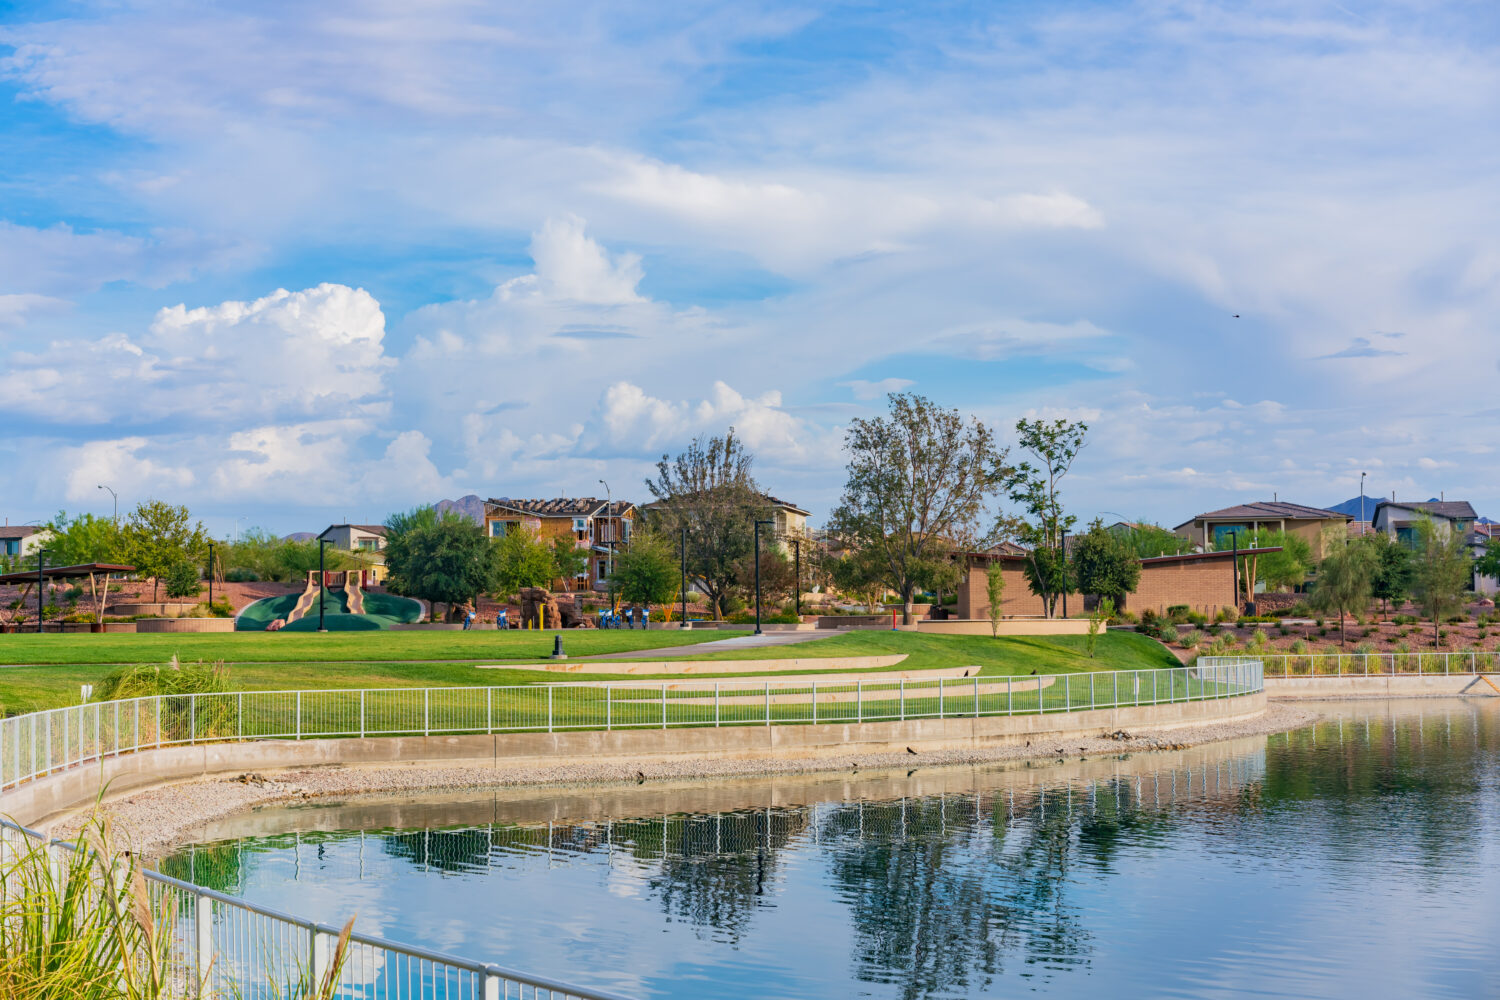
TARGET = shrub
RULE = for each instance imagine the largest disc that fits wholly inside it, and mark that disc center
(1197, 618)
(1299, 646)
(241, 574)
(218, 609)
(1167, 632)
(1226, 615)
(1178, 613)
(182, 580)
(1364, 647)
(1403, 647)
(1190, 639)
(1456, 619)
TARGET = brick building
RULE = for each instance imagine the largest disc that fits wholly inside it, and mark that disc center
(597, 526)
(1204, 581)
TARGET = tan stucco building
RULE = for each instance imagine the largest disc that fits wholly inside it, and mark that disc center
(600, 527)
(1213, 531)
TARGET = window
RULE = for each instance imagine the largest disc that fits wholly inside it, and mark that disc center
(12, 546)
(625, 528)
(1224, 535)
(368, 544)
(1407, 536)
(580, 524)
(497, 529)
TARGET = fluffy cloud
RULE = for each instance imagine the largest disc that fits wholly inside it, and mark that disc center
(316, 352)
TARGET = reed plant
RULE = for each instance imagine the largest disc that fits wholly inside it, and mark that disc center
(79, 920)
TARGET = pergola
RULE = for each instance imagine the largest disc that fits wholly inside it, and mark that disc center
(97, 573)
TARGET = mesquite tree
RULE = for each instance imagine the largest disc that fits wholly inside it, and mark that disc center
(918, 480)
(709, 491)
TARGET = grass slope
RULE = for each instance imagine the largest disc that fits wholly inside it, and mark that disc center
(24, 689)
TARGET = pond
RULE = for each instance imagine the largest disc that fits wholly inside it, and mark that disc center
(1359, 856)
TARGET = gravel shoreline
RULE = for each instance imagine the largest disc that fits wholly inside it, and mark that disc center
(153, 820)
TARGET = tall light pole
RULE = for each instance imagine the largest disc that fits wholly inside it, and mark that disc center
(112, 493)
(609, 558)
(322, 584)
(210, 577)
(41, 557)
(758, 523)
(683, 590)
(1235, 534)
(797, 571)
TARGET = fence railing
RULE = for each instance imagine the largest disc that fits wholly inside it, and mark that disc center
(224, 946)
(238, 948)
(45, 742)
(1436, 662)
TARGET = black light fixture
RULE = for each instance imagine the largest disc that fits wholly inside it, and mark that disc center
(210, 578)
(41, 557)
(757, 572)
(322, 584)
(683, 588)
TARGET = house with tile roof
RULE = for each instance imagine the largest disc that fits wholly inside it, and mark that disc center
(17, 541)
(1399, 519)
(1214, 530)
(597, 526)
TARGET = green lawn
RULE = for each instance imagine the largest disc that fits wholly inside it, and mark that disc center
(376, 646)
(25, 688)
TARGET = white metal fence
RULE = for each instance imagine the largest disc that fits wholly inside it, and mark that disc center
(228, 947)
(42, 743)
(238, 948)
(1436, 662)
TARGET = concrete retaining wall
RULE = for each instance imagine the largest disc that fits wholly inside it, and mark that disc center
(1412, 686)
(185, 625)
(37, 801)
(1007, 626)
(711, 666)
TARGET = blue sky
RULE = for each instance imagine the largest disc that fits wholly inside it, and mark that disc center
(293, 267)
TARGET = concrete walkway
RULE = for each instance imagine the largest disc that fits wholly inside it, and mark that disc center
(716, 646)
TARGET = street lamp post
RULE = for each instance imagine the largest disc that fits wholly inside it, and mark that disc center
(1235, 535)
(683, 588)
(757, 573)
(797, 571)
(1065, 572)
(210, 577)
(322, 584)
(112, 493)
(41, 557)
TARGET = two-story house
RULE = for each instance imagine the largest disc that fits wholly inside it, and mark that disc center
(365, 540)
(1399, 520)
(600, 527)
(790, 522)
(18, 541)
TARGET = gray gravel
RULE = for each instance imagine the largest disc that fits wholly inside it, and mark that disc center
(152, 820)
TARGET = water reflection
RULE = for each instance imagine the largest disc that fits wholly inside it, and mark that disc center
(940, 883)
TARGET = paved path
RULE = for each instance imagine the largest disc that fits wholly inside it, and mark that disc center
(716, 646)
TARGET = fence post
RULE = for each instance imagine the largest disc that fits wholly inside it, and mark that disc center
(716, 704)
(859, 701)
(1039, 709)
(426, 711)
(491, 986)
(815, 702)
(1067, 693)
(940, 697)
(903, 698)
(299, 715)
(203, 926)
(976, 694)
(362, 711)
(664, 706)
(1093, 702)
(607, 708)
(157, 699)
(549, 708)
(768, 703)
(317, 954)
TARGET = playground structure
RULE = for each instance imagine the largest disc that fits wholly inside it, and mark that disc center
(345, 605)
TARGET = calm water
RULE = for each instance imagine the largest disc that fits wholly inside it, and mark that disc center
(1356, 858)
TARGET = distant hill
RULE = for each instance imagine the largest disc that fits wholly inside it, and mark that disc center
(301, 536)
(471, 506)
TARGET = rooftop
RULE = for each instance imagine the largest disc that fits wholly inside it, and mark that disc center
(18, 530)
(1457, 509)
(564, 507)
(1268, 510)
(374, 529)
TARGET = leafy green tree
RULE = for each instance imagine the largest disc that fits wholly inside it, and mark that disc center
(1150, 540)
(1345, 578)
(778, 577)
(1035, 484)
(1393, 575)
(1441, 571)
(709, 491)
(1282, 570)
(859, 574)
(994, 593)
(522, 559)
(159, 535)
(182, 580)
(569, 561)
(443, 559)
(83, 539)
(648, 572)
(1105, 565)
(917, 481)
